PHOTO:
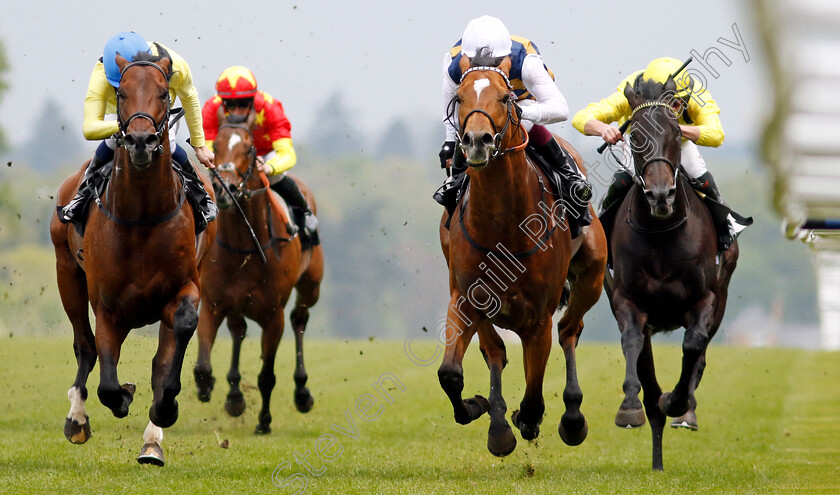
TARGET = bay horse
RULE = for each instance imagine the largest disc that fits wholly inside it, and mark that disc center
(666, 275)
(501, 275)
(138, 262)
(237, 284)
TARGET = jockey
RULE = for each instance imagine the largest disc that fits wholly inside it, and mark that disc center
(536, 94)
(237, 98)
(699, 125)
(101, 99)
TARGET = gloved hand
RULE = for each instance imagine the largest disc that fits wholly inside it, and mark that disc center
(447, 151)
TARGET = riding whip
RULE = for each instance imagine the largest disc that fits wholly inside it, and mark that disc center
(248, 225)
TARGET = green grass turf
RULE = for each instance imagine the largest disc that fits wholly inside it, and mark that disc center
(769, 423)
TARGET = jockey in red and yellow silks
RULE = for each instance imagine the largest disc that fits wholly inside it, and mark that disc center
(237, 98)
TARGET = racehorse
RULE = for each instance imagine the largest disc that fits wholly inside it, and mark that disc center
(237, 284)
(502, 273)
(664, 247)
(138, 261)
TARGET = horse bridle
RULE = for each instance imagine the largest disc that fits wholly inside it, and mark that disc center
(638, 176)
(160, 127)
(252, 152)
(498, 134)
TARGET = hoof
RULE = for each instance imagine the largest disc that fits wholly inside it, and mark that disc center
(528, 432)
(304, 401)
(262, 430)
(503, 444)
(669, 408)
(151, 454)
(204, 381)
(476, 406)
(687, 421)
(235, 407)
(571, 433)
(630, 418)
(75, 432)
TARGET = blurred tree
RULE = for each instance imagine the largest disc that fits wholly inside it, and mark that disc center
(53, 143)
(396, 140)
(335, 133)
(4, 86)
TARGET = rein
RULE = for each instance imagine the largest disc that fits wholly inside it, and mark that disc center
(252, 152)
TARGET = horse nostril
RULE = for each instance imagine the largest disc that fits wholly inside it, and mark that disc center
(129, 140)
(487, 139)
(151, 141)
(466, 140)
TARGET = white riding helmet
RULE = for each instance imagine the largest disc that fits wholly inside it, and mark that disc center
(486, 31)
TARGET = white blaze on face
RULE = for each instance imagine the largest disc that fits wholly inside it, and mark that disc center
(234, 140)
(479, 86)
(77, 406)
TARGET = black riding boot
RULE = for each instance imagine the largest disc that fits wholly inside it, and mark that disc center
(723, 222)
(205, 208)
(447, 194)
(621, 183)
(577, 191)
(77, 208)
(706, 185)
(304, 219)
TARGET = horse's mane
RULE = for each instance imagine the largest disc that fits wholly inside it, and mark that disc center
(484, 58)
(651, 90)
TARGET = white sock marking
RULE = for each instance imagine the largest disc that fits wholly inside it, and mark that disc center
(77, 406)
(153, 434)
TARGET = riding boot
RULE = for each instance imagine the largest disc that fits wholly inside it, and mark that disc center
(77, 208)
(305, 220)
(725, 226)
(204, 206)
(576, 189)
(447, 194)
(621, 183)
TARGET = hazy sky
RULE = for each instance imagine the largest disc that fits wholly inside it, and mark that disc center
(384, 57)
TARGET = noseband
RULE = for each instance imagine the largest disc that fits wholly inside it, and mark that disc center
(160, 127)
(498, 134)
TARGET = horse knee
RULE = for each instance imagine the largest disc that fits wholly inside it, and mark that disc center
(694, 343)
(186, 319)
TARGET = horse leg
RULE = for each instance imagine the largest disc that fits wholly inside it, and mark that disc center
(631, 323)
(109, 340)
(235, 401)
(500, 438)
(689, 419)
(458, 333)
(647, 378)
(272, 331)
(152, 451)
(167, 363)
(535, 353)
(695, 341)
(573, 427)
(72, 287)
(308, 292)
(208, 327)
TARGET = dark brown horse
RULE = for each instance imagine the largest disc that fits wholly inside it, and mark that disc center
(666, 276)
(138, 262)
(237, 284)
(509, 253)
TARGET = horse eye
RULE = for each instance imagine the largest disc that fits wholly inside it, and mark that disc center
(505, 99)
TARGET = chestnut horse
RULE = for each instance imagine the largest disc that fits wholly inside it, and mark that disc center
(138, 262)
(666, 275)
(237, 284)
(501, 275)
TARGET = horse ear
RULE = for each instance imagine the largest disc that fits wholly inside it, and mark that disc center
(671, 85)
(165, 61)
(122, 63)
(465, 63)
(505, 65)
(252, 117)
(221, 118)
(631, 95)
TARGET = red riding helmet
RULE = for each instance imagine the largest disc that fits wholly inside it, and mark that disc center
(236, 82)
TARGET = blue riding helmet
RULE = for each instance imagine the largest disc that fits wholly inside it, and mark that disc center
(127, 44)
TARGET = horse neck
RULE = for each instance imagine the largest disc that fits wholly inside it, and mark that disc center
(503, 195)
(135, 194)
(256, 210)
